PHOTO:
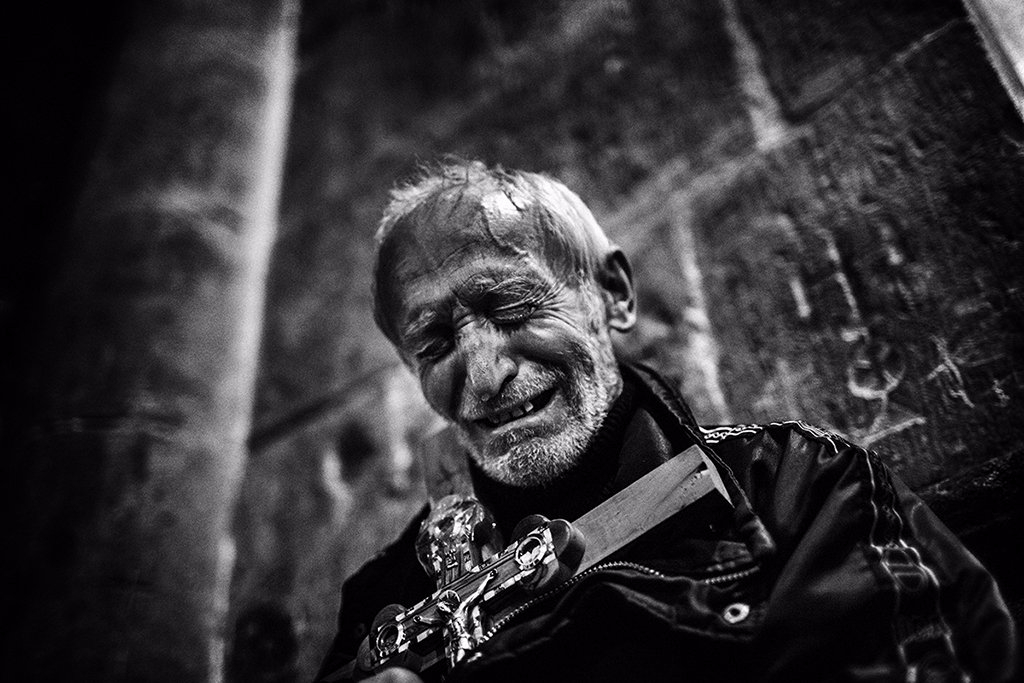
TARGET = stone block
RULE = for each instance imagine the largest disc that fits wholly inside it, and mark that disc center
(866, 276)
(812, 50)
(601, 95)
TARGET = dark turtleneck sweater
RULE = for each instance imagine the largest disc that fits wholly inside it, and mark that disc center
(629, 443)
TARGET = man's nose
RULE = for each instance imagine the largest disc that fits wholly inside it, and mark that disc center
(489, 364)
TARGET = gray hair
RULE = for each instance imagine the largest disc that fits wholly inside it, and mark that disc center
(459, 190)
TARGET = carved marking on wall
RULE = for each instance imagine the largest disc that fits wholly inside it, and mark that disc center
(891, 419)
(893, 254)
(874, 370)
(857, 329)
(1001, 396)
(803, 306)
(947, 372)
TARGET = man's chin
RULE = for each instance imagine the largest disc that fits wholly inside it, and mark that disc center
(526, 460)
(542, 446)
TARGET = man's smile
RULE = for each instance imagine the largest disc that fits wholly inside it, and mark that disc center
(496, 418)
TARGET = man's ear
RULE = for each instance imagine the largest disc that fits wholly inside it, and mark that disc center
(616, 281)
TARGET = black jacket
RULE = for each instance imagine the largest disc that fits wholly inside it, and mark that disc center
(826, 569)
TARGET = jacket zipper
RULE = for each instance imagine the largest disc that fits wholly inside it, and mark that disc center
(725, 578)
(497, 626)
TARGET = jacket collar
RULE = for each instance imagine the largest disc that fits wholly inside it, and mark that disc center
(446, 471)
(678, 420)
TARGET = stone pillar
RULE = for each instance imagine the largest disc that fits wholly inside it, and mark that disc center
(999, 23)
(151, 351)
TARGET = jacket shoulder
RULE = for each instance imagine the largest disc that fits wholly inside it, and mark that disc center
(784, 430)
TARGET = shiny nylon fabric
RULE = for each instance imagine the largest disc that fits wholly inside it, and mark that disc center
(855, 579)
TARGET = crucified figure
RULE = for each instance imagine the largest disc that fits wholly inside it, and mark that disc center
(463, 624)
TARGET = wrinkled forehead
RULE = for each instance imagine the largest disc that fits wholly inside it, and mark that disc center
(496, 223)
(549, 228)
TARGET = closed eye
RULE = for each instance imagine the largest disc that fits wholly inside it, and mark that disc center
(512, 315)
(431, 348)
(429, 341)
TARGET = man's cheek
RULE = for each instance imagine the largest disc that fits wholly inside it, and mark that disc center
(438, 383)
(558, 345)
(551, 341)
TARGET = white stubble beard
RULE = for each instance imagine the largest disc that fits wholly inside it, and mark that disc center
(536, 460)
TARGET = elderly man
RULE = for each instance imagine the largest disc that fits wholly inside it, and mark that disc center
(500, 292)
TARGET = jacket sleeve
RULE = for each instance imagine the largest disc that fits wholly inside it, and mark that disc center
(866, 578)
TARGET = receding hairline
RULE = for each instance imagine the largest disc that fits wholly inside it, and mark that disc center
(472, 182)
(566, 227)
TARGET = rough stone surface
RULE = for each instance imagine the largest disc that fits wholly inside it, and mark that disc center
(866, 275)
(859, 275)
(144, 375)
(601, 95)
(856, 268)
(813, 50)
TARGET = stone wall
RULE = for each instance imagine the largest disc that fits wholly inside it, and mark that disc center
(817, 197)
(821, 201)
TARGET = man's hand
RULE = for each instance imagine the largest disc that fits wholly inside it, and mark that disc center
(394, 675)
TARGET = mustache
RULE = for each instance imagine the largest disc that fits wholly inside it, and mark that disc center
(575, 362)
(515, 393)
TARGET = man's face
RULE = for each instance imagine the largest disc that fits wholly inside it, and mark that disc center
(516, 358)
